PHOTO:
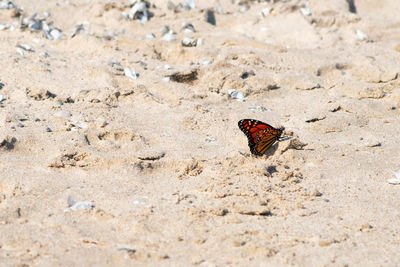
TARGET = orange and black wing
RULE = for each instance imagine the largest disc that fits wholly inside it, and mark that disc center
(265, 139)
(254, 128)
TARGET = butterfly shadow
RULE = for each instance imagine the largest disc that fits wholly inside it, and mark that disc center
(271, 150)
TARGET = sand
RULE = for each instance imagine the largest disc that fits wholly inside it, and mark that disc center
(164, 173)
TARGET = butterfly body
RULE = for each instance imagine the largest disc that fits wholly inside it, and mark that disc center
(261, 135)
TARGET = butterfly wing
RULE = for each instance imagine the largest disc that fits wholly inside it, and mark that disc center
(252, 128)
(265, 139)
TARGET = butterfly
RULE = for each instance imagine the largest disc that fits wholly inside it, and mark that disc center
(261, 135)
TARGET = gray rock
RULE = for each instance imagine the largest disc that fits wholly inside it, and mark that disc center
(210, 17)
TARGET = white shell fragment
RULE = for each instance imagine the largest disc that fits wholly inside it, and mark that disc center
(188, 28)
(150, 36)
(82, 205)
(361, 35)
(26, 47)
(189, 42)
(8, 5)
(80, 124)
(44, 54)
(259, 108)
(212, 140)
(55, 34)
(138, 11)
(20, 51)
(190, 3)
(169, 37)
(130, 73)
(395, 180)
(266, 11)
(141, 200)
(235, 94)
(5, 26)
(306, 11)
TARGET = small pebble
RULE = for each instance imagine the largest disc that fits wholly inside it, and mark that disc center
(170, 5)
(315, 118)
(8, 142)
(210, 17)
(35, 25)
(79, 28)
(315, 193)
(246, 74)
(127, 248)
(166, 29)
(70, 201)
(372, 143)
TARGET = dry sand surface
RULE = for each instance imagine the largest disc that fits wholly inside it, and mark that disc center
(118, 147)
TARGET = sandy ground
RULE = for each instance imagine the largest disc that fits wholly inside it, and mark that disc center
(164, 173)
